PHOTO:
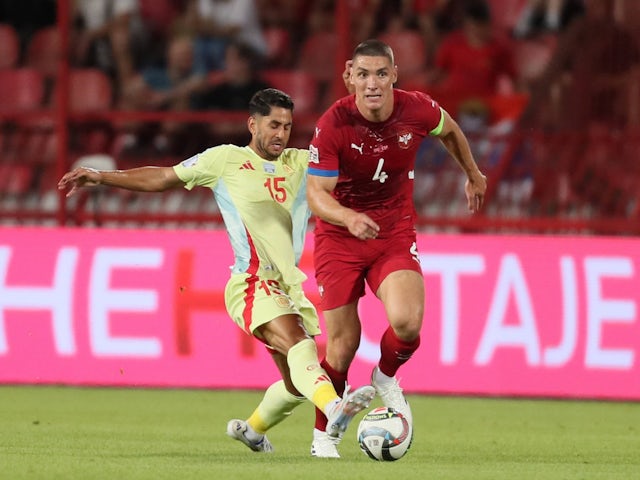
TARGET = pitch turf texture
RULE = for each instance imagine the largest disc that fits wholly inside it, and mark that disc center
(96, 433)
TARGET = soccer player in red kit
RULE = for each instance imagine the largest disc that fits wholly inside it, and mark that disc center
(360, 187)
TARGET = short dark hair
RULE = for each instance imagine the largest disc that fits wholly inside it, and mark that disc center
(246, 53)
(373, 48)
(263, 100)
(478, 11)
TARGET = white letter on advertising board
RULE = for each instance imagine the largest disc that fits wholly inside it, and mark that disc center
(601, 311)
(560, 354)
(103, 300)
(450, 268)
(58, 299)
(497, 333)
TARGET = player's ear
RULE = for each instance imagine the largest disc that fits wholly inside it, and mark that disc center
(394, 74)
(251, 125)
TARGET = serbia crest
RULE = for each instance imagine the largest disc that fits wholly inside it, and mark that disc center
(405, 139)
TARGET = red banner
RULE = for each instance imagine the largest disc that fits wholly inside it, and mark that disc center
(505, 315)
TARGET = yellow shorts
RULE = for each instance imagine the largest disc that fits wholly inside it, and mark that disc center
(252, 301)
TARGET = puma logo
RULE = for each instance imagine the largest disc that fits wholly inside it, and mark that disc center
(356, 147)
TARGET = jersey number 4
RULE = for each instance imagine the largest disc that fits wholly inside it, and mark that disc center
(276, 190)
(380, 175)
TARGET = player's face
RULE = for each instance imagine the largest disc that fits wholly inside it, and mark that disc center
(373, 79)
(270, 134)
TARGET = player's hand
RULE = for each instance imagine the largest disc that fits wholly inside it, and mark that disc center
(361, 226)
(80, 177)
(475, 188)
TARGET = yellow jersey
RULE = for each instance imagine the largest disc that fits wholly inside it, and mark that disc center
(263, 204)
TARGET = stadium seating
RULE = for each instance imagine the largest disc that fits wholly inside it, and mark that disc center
(317, 55)
(409, 51)
(21, 89)
(44, 52)
(278, 42)
(318, 58)
(90, 90)
(549, 174)
(302, 86)
(9, 46)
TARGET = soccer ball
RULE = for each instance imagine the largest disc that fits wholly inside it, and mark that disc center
(385, 434)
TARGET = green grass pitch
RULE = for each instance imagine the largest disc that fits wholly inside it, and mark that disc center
(100, 433)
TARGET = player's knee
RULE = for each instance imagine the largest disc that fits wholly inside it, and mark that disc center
(408, 328)
(341, 353)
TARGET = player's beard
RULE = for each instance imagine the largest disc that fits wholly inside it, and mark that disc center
(267, 149)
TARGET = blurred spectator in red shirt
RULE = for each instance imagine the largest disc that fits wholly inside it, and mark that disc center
(436, 18)
(589, 76)
(470, 62)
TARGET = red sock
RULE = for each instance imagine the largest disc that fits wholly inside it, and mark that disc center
(339, 380)
(395, 352)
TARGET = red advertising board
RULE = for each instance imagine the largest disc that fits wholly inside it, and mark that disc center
(505, 315)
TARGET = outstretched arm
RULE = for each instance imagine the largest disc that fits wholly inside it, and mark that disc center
(456, 143)
(142, 179)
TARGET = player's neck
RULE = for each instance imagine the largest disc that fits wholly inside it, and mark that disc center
(376, 115)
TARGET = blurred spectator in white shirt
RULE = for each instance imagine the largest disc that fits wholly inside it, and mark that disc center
(111, 36)
(546, 16)
(216, 23)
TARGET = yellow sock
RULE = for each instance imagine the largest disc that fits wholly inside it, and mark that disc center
(276, 405)
(308, 376)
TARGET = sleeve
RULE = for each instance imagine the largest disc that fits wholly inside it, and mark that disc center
(324, 148)
(203, 169)
(433, 114)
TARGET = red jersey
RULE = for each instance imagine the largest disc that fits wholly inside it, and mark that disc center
(473, 70)
(374, 161)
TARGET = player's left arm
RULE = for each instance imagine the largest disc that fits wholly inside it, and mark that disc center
(457, 144)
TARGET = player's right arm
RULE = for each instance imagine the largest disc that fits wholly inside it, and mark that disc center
(141, 179)
(325, 206)
(322, 179)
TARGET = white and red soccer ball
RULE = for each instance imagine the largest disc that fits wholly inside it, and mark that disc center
(385, 434)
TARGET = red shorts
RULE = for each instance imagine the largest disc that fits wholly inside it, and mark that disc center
(343, 264)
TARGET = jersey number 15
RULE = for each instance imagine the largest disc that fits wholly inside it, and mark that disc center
(276, 190)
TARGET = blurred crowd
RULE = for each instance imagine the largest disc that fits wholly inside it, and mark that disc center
(547, 63)
(548, 91)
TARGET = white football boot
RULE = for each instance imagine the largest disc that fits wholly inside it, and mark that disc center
(391, 393)
(324, 446)
(238, 429)
(344, 411)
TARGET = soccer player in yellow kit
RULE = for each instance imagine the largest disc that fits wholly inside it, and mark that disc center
(260, 190)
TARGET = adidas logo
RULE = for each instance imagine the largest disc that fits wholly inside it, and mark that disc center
(247, 166)
(322, 379)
